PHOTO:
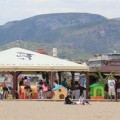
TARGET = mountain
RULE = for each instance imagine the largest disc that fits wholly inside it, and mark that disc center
(76, 35)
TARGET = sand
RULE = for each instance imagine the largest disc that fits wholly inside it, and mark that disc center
(45, 110)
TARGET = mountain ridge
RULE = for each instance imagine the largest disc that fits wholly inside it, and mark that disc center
(71, 33)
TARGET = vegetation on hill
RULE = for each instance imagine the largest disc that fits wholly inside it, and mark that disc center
(76, 35)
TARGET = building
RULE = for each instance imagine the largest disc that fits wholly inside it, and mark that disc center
(106, 63)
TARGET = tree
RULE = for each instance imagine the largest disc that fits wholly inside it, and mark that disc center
(102, 79)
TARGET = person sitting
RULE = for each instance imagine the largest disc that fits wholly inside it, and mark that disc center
(82, 99)
(68, 99)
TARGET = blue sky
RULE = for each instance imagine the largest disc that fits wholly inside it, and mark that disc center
(11, 10)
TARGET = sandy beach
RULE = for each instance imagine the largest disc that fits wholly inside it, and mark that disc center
(46, 110)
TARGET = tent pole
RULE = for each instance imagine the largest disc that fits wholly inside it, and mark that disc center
(87, 84)
(59, 75)
(15, 84)
(47, 77)
(53, 77)
(51, 82)
(73, 80)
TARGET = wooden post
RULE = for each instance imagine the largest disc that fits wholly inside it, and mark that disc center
(15, 84)
(73, 80)
(51, 80)
(87, 84)
(59, 75)
(47, 77)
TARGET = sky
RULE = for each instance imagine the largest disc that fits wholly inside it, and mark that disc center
(12, 10)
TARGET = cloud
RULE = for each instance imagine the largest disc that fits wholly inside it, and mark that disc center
(38, 1)
(18, 9)
(102, 7)
(33, 0)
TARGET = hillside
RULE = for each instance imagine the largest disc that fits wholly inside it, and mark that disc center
(76, 35)
(66, 53)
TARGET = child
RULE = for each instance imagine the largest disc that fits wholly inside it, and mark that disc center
(41, 94)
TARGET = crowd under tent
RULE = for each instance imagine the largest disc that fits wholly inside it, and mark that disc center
(17, 60)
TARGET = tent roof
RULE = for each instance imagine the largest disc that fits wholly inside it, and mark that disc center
(18, 59)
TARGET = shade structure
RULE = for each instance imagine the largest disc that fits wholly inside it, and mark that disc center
(19, 59)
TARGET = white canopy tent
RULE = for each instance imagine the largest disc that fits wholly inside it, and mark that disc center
(18, 59)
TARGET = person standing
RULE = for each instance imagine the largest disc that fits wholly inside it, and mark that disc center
(64, 83)
(82, 98)
(81, 88)
(5, 88)
(118, 89)
(111, 87)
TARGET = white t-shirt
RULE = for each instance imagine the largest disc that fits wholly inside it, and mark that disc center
(111, 84)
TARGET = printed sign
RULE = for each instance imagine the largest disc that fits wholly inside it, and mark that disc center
(24, 56)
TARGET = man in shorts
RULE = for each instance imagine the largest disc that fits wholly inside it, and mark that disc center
(111, 87)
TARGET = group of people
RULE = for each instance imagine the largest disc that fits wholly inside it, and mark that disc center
(113, 87)
(44, 89)
(82, 98)
(69, 97)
